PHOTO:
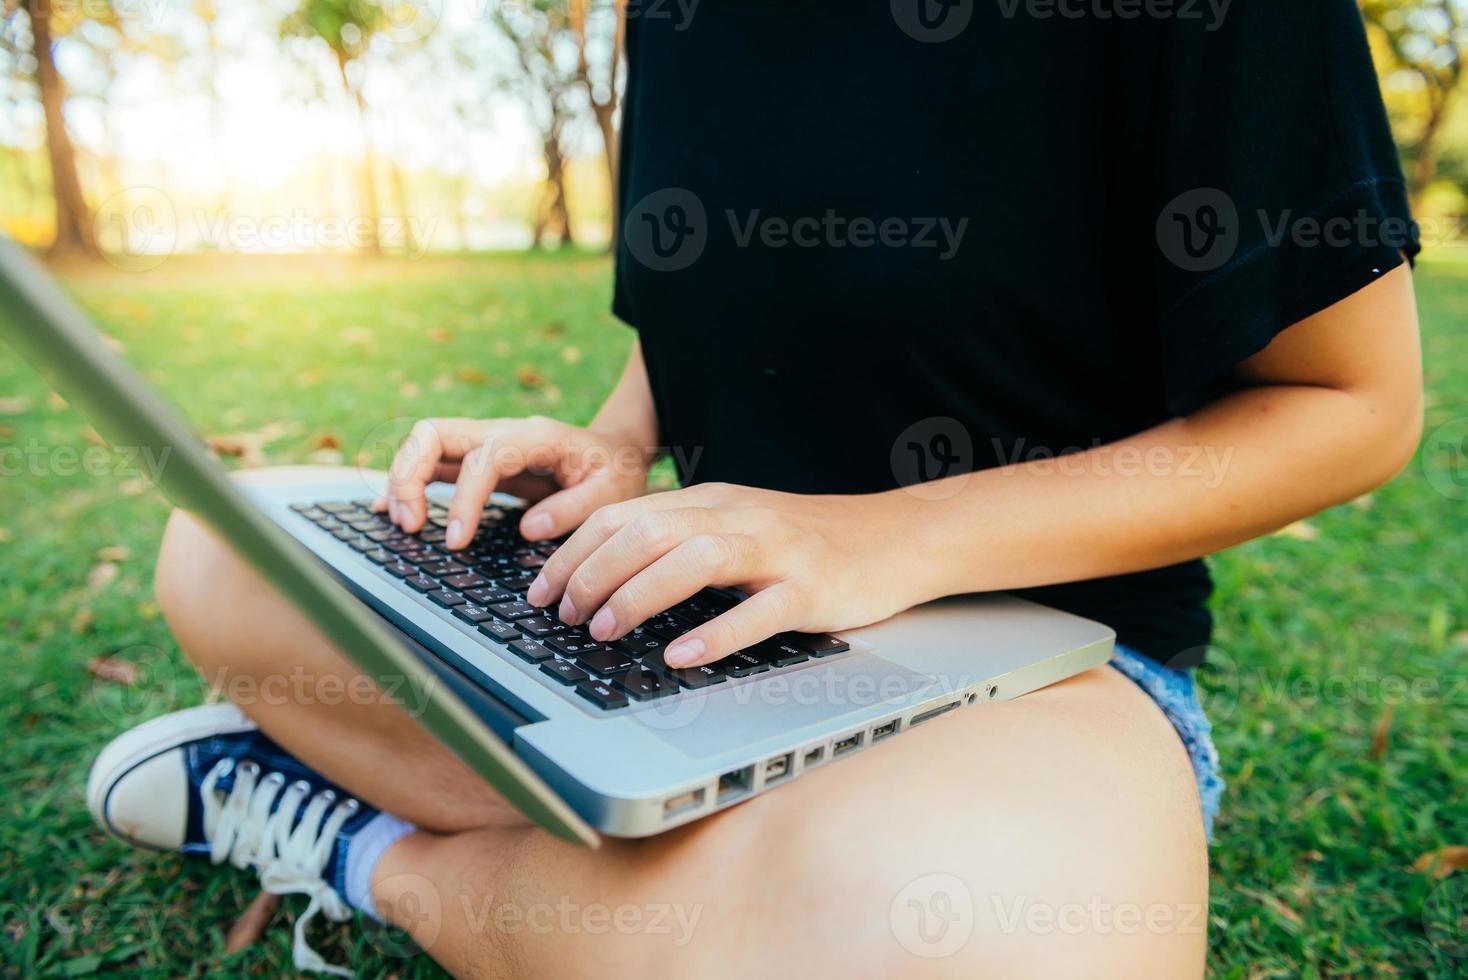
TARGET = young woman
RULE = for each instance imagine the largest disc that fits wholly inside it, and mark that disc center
(886, 263)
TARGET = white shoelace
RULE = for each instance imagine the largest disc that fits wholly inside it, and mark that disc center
(290, 855)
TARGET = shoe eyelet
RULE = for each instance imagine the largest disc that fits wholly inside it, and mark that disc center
(249, 767)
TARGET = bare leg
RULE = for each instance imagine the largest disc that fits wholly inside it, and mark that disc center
(1058, 835)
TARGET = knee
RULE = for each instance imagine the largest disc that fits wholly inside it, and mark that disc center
(194, 570)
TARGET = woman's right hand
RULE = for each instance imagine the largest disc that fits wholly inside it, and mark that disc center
(564, 470)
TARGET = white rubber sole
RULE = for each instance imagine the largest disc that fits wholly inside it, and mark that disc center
(137, 745)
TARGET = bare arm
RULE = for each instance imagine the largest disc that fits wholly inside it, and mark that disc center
(1329, 410)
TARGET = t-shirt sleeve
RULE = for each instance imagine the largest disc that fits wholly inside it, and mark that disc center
(1273, 179)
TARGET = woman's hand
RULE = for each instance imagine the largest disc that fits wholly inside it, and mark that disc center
(570, 471)
(811, 563)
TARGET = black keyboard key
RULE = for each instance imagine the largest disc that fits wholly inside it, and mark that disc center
(343, 533)
(337, 506)
(362, 543)
(446, 598)
(420, 583)
(696, 677)
(495, 629)
(563, 671)
(530, 559)
(644, 685)
(601, 694)
(441, 569)
(742, 664)
(514, 610)
(379, 557)
(421, 556)
(468, 580)
(639, 643)
(399, 569)
(530, 650)
(432, 535)
(666, 626)
(470, 613)
(539, 626)
(779, 654)
(490, 594)
(401, 545)
(301, 507)
(572, 643)
(603, 661)
(817, 644)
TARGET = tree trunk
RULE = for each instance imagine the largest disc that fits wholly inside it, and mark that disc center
(75, 235)
(368, 188)
(558, 212)
(1424, 168)
(400, 193)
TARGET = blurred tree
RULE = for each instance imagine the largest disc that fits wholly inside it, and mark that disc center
(601, 77)
(1422, 40)
(75, 233)
(346, 27)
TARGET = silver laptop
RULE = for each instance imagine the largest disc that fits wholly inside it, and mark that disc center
(582, 736)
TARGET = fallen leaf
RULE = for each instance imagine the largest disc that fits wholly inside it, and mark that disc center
(250, 926)
(326, 440)
(14, 405)
(1442, 862)
(1300, 531)
(360, 336)
(554, 329)
(93, 436)
(571, 355)
(1380, 735)
(6, 432)
(83, 621)
(249, 447)
(309, 378)
(529, 377)
(409, 389)
(442, 383)
(1271, 902)
(55, 400)
(470, 375)
(1364, 502)
(114, 553)
(1459, 640)
(5, 535)
(131, 488)
(502, 348)
(114, 670)
(439, 335)
(102, 575)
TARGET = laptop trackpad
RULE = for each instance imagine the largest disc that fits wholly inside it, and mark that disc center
(815, 694)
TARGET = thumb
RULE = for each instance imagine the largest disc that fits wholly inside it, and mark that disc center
(565, 510)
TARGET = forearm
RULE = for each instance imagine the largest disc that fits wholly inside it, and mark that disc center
(628, 416)
(1248, 464)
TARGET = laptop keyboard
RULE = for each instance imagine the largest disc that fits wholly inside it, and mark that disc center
(484, 586)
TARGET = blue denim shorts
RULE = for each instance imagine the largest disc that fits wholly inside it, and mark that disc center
(1177, 696)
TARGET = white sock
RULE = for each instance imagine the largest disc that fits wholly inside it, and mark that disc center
(364, 850)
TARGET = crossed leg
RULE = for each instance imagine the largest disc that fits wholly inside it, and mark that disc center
(1056, 835)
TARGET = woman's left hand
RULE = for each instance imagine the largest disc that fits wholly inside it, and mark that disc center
(810, 563)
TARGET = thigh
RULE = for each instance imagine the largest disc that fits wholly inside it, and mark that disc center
(1056, 835)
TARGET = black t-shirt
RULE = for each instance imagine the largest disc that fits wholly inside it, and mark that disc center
(865, 245)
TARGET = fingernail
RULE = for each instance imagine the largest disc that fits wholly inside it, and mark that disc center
(603, 624)
(454, 533)
(379, 505)
(537, 526)
(539, 592)
(684, 652)
(567, 612)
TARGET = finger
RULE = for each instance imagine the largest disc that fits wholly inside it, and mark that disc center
(504, 452)
(565, 510)
(443, 473)
(640, 542)
(430, 442)
(704, 559)
(757, 618)
(550, 584)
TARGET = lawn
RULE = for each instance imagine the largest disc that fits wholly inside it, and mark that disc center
(1339, 691)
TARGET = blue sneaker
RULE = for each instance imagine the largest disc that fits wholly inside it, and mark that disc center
(207, 781)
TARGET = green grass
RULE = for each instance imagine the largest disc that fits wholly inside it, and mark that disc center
(1338, 780)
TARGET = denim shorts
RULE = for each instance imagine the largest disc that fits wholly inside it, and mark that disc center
(1177, 696)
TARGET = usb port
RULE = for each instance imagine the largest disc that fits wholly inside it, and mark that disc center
(846, 744)
(882, 731)
(778, 769)
(682, 803)
(814, 756)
